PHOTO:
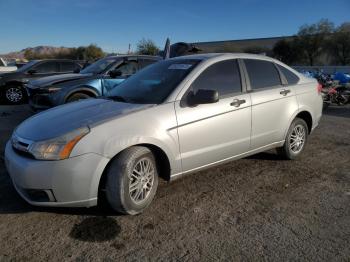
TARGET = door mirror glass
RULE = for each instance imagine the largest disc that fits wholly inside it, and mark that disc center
(203, 96)
(115, 73)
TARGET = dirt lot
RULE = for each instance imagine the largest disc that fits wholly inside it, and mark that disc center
(258, 208)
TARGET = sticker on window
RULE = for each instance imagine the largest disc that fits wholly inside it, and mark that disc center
(180, 66)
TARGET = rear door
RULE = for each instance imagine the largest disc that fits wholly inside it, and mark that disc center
(273, 102)
(144, 62)
(210, 133)
(67, 67)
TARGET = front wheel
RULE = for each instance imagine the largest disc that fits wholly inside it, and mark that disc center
(77, 97)
(295, 140)
(132, 180)
(14, 94)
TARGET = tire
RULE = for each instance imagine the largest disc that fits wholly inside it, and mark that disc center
(14, 95)
(288, 150)
(128, 191)
(76, 97)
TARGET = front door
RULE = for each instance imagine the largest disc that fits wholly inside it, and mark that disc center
(127, 68)
(210, 133)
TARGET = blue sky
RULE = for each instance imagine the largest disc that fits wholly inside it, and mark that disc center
(114, 24)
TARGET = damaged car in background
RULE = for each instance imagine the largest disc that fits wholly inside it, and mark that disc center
(95, 80)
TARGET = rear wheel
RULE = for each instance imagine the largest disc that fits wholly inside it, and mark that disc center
(15, 94)
(295, 140)
(77, 97)
(132, 180)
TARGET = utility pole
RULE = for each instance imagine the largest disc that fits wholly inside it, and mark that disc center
(129, 49)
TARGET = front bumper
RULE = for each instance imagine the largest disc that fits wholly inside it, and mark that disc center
(72, 182)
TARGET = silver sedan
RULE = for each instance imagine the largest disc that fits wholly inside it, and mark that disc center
(172, 118)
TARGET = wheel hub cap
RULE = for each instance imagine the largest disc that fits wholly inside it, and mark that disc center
(141, 180)
(14, 94)
(297, 139)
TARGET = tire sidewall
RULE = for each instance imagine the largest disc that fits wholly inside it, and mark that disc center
(77, 97)
(118, 178)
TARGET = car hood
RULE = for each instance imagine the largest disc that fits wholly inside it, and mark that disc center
(63, 119)
(56, 79)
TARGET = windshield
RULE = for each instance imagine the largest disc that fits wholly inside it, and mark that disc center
(99, 66)
(27, 66)
(153, 84)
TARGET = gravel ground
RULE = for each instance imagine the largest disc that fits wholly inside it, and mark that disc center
(257, 208)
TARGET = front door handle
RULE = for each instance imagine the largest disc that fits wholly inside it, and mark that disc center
(237, 102)
(285, 92)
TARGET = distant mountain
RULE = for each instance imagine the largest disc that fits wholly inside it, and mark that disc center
(41, 50)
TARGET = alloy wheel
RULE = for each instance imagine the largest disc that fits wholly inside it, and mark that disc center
(297, 139)
(14, 94)
(141, 180)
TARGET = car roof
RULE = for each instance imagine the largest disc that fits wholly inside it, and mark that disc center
(55, 60)
(138, 56)
(226, 55)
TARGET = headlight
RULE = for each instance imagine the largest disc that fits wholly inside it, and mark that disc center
(58, 148)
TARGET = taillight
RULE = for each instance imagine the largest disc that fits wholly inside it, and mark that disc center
(332, 91)
(319, 88)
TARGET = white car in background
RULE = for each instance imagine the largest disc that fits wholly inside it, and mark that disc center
(5, 68)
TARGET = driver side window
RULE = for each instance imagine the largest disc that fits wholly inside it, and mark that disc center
(128, 68)
(222, 76)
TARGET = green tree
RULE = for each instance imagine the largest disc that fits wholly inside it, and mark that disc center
(256, 50)
(311, 39)
(288, 51)
(147, 47)
(338, 45)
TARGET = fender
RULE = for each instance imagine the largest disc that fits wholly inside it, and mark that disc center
(14, 82)
(116, 145)
(89, 89)
(111, 152)
(301, 109)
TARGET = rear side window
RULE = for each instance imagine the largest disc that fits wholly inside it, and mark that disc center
(46, 67)
(223, 76)
(146, 62)
(292, 78)
(262, 74)
(68, 66)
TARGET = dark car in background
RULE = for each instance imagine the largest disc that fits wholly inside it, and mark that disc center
(12, 88)
(95, 80)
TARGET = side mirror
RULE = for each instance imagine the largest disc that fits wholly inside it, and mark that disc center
(31, 71)
(203, 96)
(115, 73)
(76, 71)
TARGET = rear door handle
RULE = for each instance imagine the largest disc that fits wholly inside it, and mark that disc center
(285, 92)
(237, 102)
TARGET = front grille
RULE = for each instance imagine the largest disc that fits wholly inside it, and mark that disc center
(42, 99)
(23, 153)
(21, 146)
